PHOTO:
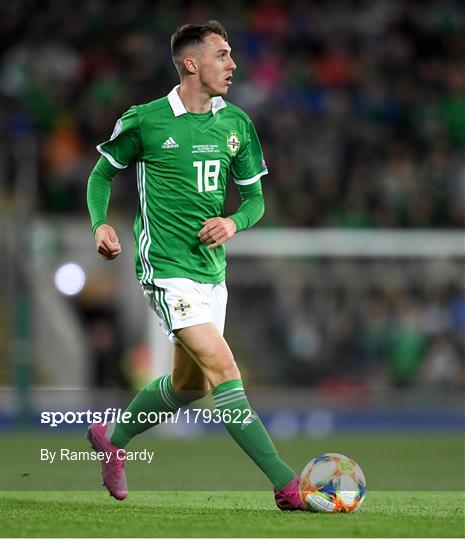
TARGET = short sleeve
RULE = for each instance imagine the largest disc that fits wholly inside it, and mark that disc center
(125, 143)
(248, 165)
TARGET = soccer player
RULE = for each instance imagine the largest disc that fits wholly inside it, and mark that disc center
(185, 146)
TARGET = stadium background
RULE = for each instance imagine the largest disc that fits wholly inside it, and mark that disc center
(360, 108)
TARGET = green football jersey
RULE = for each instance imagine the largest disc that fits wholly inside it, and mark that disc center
(183, 163)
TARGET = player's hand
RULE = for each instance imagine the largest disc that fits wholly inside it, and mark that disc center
(216, 231)
(107, 242)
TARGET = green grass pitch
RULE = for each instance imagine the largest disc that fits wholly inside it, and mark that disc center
(225, 514)
(206, 488)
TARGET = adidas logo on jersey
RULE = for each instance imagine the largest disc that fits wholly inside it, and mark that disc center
(170, 143)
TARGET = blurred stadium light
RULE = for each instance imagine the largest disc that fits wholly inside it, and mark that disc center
(70, 279)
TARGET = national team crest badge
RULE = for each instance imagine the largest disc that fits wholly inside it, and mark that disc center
(182, 307)
(233, 143)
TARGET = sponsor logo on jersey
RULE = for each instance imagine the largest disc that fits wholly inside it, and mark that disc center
(182, 307)
(117, 129)
(170, 143)
(233, 143)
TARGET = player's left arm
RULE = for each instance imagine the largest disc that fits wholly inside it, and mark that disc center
(248, 166)
(252, 206)
(218, 230)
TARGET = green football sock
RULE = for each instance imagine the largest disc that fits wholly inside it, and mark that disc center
(157, 396)
(250, 434)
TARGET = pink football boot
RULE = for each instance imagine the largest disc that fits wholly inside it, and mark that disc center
(114, 477)
(289, 498)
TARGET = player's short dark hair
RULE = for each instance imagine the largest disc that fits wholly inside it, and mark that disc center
(194, 34)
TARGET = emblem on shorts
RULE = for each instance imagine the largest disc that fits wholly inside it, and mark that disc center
(182, 307)
(233, 143)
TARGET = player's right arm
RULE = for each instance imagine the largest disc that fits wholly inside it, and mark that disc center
(98, 197)
(123, 147)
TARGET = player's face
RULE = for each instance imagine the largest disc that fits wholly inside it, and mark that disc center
(216, 65)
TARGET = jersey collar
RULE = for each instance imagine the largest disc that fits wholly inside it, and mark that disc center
(178, 108)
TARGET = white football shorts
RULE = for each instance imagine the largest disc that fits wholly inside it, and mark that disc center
(182, 302)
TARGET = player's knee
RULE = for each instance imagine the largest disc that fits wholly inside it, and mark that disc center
(226, 371)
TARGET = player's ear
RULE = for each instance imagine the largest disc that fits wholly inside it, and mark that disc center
(190, 64)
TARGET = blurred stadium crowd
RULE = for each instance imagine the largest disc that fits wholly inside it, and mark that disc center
(362, 323)
(360, 107)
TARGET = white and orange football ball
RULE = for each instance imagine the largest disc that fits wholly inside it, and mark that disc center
(332, 483)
